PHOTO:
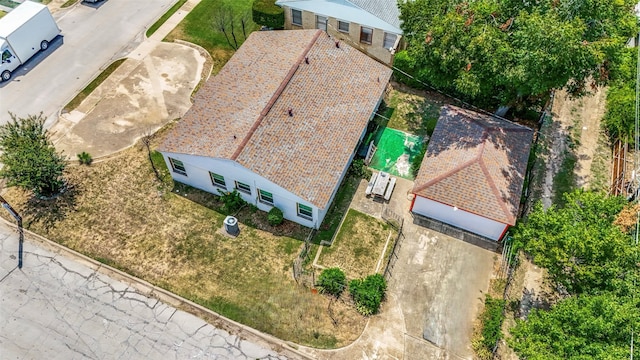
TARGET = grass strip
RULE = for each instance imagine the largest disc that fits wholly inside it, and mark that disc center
(92, 86)
(165, 17)
(69, 3)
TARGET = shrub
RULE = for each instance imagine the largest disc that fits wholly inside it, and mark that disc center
(267, 13)
(368, 293)
(332, 281)
(232, 201)
(491, 320)
(359, 170)
(85, 158)
(275, 216)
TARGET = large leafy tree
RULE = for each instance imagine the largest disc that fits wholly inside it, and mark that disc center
(579, 245)
(512, 52)
(29, 159)
(580, 327)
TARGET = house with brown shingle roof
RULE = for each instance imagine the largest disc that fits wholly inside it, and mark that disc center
(280, 122)
(473, 171)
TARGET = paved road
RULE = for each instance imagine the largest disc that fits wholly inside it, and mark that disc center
(60, 308)
(92, 37)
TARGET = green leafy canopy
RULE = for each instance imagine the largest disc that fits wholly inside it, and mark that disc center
(30, 160)
(510, 52)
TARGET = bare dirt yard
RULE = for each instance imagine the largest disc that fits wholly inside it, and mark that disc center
(116, 211)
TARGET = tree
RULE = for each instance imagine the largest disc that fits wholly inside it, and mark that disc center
(513, 52)
(580, 327)
(368, 293)
(578, 244)
(332, 281)
(29, 157)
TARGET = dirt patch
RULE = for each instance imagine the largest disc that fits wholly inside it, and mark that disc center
(117, 212)
(358, 246)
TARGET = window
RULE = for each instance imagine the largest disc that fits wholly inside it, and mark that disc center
(366, 35)
(389, 41)
(305, 212)
(178, 166)
(296, 17)
(6, 55)
(321, 23)
(218, 180)
(265, 197)
(242, 187)
(343, 26)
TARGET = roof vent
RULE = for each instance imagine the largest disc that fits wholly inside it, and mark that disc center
(338, 44)
(290, 111)
(306, 59)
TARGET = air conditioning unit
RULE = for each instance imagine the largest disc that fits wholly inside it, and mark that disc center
(231, 225)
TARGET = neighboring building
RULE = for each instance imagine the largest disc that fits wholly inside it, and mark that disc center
(280, 123)
(473, 172)
(372, 26)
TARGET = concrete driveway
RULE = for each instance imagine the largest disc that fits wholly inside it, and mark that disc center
(93, 36)
(141, 96)
(435, 290)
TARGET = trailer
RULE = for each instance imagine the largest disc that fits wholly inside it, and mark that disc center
(24, 31)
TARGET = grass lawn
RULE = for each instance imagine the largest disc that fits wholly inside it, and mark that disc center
(198, 27)
(358, 245)
(411, 110)
(337, 210)
(164, 17)
(92, 85)
(116, 211)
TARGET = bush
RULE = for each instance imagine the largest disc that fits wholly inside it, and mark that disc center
(404, 62)
(232, 201)
(491, 320)
(359, 170)
(267, 13)
(85, 158)
(275, 216)
(368, 293)
(332, 281)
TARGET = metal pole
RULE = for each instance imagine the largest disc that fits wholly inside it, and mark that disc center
(18, 218)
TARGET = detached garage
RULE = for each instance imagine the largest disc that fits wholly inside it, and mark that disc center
(472, 174)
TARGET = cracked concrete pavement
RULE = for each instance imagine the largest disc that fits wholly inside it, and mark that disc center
(57, 307)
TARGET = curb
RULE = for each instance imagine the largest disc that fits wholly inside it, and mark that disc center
(148, 289)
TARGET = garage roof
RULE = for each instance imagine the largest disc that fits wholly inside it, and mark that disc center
(477, 163)
(242, 113)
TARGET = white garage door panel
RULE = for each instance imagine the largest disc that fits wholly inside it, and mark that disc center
(459, 218)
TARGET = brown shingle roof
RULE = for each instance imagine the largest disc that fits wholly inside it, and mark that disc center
(332, 99)
(476, 163)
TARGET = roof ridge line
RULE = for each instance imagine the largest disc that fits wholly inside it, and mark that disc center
(494, 190)
(275, 95)
(445, 175)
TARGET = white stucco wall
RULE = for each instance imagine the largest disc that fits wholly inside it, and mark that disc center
(198, 168)
(465, 220)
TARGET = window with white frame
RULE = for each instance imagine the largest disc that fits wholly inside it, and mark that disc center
(218, 180)
(242, 187)
(321, 22)
(366, 35)
(343, 26)
(265, 197)
(178, 167)
(389, 41)
(296, 17)
(305, 212)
